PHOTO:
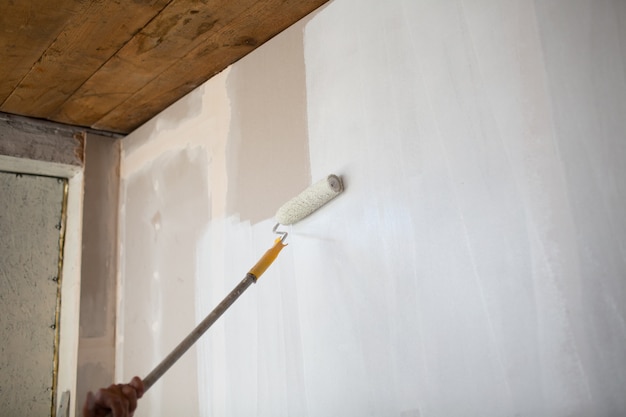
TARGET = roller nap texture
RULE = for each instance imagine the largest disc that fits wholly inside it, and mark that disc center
(309, 200)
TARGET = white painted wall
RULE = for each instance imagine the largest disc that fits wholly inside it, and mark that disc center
(476, 263)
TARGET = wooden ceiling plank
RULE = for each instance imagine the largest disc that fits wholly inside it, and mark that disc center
(251, 29)
(87, 41)
(178, 29)
(27, 28)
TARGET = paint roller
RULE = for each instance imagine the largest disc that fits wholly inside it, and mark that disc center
(296, 209)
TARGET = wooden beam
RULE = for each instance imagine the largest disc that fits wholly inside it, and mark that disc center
(179, 28)
(251, 29)
(148, 69)
(27, 28)
(88, 39)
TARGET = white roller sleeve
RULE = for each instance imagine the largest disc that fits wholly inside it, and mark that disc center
(309, 200)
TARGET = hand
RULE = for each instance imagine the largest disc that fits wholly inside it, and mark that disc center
(117, 401)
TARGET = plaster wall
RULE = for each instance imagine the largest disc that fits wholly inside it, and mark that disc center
(31, 220)
(475, 264)
(96, 343)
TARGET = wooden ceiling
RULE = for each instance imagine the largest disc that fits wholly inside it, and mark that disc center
(113, 64)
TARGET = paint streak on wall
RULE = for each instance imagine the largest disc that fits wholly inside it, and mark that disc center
(182, 163)
(160, 258)
(474, 264)
(268, 132)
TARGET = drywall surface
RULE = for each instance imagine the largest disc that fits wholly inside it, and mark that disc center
(196, 182)
(30, 230)
(272, 139)
(96, 345)
(474, 266)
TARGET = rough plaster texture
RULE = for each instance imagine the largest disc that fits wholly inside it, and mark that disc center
(30, 216)
(474, 265)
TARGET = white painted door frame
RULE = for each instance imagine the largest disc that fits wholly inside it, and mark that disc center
(72, 169)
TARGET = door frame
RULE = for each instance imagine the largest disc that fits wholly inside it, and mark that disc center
(42, 148)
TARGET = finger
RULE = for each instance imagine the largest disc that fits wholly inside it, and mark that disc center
(113, 389)
(90, 405)
(119, 408)
(105, 397)
(112, 399)
(131, 395)
(137, 383)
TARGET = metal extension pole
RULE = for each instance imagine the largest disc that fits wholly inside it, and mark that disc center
(200, 329)
(251, 278)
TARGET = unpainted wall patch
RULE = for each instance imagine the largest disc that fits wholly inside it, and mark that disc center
(268, 148)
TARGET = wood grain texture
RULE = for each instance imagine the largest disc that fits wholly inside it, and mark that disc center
(179, 28)
(87, 41)
(222, 47)
(27, 28)
(113, 65)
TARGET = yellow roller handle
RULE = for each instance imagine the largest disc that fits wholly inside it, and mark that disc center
(267, 259)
